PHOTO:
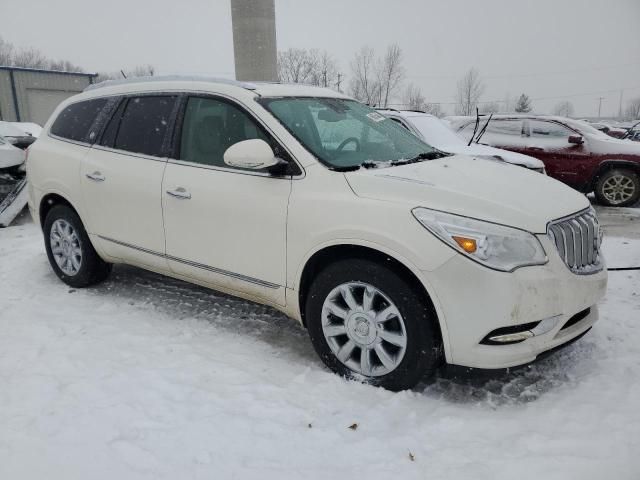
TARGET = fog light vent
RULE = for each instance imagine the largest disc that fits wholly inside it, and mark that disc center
(510, 335)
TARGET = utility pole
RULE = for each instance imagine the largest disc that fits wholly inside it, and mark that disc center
(254, 39)
(339, 82)
(600, 105)
(620, 106)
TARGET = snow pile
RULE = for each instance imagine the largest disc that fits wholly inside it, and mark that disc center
(145, 377)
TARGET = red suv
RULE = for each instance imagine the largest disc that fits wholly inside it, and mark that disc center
(573, 152)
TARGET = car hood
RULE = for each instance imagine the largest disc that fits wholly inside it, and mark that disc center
(609, 145)
(476, 149)
(473, 187)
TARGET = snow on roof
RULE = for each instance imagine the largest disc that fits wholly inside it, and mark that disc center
(269, 89)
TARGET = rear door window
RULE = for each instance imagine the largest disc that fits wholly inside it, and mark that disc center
(74, 122)
(144, 123)
(499, 132)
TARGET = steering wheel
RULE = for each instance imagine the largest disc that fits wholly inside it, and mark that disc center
(346, 141)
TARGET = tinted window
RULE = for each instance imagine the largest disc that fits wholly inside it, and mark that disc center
(110, 132)
(75, 121)
(540, 129)
(144, 125)
(210, 127)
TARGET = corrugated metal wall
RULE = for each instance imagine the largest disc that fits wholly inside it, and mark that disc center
(37, 93)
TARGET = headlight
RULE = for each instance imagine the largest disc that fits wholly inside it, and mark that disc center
(495, 246)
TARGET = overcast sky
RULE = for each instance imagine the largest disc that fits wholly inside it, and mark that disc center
(576, 50)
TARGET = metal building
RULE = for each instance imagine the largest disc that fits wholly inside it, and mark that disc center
(254, 40)
(31, 95)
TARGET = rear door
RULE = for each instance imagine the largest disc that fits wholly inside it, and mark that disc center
(549, 142)
(121, 179)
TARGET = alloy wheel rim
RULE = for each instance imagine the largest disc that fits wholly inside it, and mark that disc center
(618, 189)
(65, 247)
(364, 329)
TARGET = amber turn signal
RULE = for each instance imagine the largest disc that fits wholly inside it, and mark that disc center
(467, 244)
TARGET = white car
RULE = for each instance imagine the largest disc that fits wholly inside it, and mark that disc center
(437, 134)
(10, 156)
(395, 256)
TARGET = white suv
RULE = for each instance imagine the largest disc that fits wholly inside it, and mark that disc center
(395, 256)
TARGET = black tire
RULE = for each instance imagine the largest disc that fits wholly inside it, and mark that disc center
(629, 175)
(421, 356)
(92, 269)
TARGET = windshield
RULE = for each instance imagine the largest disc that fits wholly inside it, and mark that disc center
(345, 133)
(435, 132)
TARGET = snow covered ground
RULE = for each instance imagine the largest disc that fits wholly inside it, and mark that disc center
(146, 377)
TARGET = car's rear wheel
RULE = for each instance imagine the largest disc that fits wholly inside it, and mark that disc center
(618, 188)
(70, 253)
(368, 323)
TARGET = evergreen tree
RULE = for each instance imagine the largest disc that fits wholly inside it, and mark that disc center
(523, 105)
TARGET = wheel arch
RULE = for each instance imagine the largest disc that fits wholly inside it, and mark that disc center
(611, 164)
(49, 201)
(328, 254)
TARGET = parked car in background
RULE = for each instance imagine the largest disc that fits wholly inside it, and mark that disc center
(17, 136)
(438, 134)
(10, 155)
(395, 256)
(573, 152)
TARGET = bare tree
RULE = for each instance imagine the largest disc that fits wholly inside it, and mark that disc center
(296, 65)
(6, 52)
(490, 107)
(434, 109)
(29, 58)
(324, 69)
(470, 88)
(413, 98)
(364, 84)
(563, 109)
(632, 112)
(32, 58)
(390, 73)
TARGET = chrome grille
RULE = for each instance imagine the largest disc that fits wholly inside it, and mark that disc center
(577, 239)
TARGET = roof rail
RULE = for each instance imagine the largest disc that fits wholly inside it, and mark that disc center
(169, 78)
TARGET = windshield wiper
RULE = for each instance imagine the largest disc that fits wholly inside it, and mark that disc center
(404, 161)
(629, 130)
(484, 129)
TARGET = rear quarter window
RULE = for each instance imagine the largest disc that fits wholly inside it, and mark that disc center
(74, 122)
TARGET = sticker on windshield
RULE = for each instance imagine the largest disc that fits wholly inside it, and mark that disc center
(375, 116)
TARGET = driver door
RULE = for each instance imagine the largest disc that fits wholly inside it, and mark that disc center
(564, 161)
(224, 226)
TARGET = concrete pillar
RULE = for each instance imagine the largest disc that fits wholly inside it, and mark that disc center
(254, 39)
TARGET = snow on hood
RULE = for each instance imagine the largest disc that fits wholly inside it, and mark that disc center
(476, 149)
(474, 187)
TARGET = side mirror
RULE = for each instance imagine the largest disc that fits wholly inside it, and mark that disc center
(255, 154)
(576, 139)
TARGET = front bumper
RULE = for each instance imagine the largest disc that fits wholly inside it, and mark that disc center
(473, 301)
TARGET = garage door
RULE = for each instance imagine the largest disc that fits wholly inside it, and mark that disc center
(42, 103)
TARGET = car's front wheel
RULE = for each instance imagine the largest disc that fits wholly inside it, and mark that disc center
(368, 323)
(70, 253)
(618, 188)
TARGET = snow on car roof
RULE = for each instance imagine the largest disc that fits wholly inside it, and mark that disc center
(187, 82)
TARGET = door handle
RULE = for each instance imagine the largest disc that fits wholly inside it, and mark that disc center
(180, 193)
(95, 176)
